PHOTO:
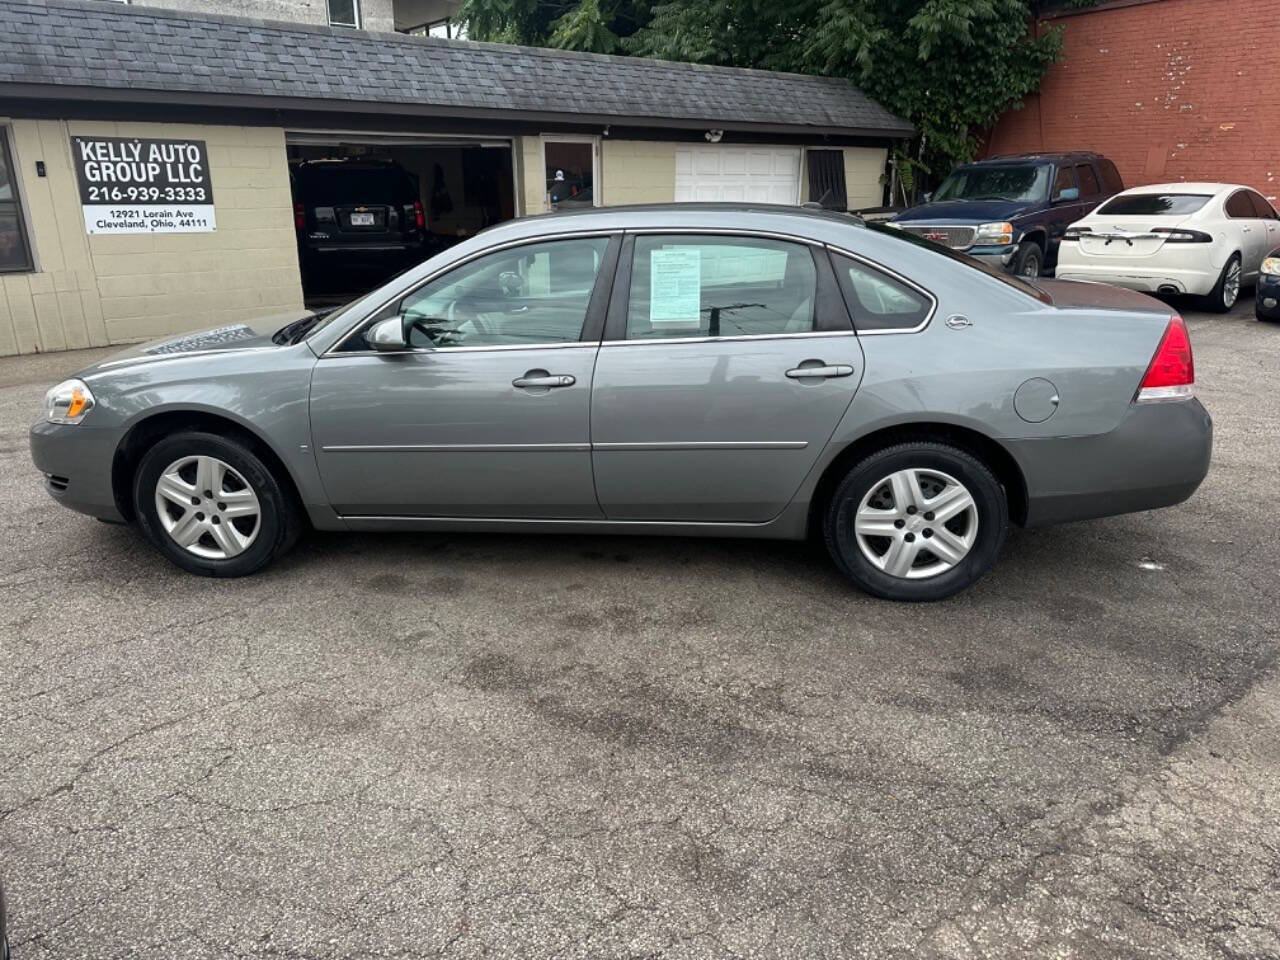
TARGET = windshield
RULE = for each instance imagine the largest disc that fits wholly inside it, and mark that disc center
(997, 182)
(1022, 286)
(1154, 204)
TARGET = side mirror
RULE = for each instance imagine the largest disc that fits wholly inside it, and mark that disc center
(927, 196)
(387, 335)
(1069, 195)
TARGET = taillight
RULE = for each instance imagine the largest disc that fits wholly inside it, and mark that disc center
(1182, 235)
(1075, 233)
(419, 215)
(1172, 374)
(299, 217)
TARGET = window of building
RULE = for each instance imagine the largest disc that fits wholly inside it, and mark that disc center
(344, 13)
(687, 286)
(571, 173)
(826, 179)
(15, 250)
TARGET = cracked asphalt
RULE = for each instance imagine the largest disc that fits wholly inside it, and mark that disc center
(411, 746)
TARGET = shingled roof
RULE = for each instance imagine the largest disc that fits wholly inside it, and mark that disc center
(54, 47)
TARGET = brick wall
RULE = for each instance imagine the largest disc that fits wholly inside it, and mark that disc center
(1168, 89)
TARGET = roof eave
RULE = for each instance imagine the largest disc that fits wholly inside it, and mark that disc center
(95, 94)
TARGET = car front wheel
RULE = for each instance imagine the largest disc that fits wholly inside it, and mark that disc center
(212, 505)
(917, 521)
(1028, 261)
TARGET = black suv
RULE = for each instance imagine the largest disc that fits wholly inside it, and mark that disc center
(357, 212)
(1013, 210)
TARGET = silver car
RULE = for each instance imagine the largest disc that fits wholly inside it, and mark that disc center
(709, 370)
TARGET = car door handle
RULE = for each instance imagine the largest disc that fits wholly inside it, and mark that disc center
(537, 379)
(823, 370)
(1246, 229)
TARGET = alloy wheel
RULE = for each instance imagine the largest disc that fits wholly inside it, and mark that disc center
(1231, 285)
(916, 524)
(207, 508)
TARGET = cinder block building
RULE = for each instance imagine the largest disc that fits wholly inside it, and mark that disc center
(93, 90)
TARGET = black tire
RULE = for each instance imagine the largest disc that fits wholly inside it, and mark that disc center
(865, 476)
(279, 521)
(1213, 301)
(1028, 261)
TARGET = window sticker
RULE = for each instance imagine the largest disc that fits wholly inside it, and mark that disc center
(675, 286)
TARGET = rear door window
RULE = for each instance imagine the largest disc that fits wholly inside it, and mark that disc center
(1088, 180)
(704, 286)
(1262, 208)
(1240, 207)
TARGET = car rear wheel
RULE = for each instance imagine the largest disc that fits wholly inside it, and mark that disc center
(213, 506)
(917, 521)
(1227, 290)
(1028, 261)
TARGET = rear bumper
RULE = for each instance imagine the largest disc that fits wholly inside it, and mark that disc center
(1156, 457)
(76, 463)
(1177, 271)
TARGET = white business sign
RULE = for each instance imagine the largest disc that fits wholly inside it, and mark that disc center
(131, 185)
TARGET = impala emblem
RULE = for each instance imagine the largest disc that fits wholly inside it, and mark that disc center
(957, 322)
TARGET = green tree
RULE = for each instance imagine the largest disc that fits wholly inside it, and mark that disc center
(951, 67)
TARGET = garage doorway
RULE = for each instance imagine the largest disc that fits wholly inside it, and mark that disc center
(369, 207)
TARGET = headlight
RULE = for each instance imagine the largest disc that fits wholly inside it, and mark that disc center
(1271, 265)
(1001, 233)
(68, 402)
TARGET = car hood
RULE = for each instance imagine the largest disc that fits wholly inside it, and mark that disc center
(964, 211)
(1080, 294)
(248, 335)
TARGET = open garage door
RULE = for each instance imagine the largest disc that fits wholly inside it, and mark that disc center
(717, 171)
(367, 207)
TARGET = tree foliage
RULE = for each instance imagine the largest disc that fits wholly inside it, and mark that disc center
(951, 67)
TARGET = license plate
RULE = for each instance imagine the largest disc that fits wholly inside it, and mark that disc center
(362, 219)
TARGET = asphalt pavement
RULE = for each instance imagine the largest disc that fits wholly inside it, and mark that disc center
(519, 746)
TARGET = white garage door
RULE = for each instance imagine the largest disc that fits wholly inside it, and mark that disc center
(721, 172)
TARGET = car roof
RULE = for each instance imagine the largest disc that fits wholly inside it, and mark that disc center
(584, 217)
(1188, 187)
(1037, 157)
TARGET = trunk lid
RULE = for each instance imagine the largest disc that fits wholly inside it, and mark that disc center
(1127, 236)
(1078, 294)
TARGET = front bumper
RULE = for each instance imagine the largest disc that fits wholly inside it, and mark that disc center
(995, 256)
(76, 462)
(1267, 297)
(1156, 457)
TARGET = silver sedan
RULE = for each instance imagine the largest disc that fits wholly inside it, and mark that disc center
(689, 369)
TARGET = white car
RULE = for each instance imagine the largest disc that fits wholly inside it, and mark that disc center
(1206, 239)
